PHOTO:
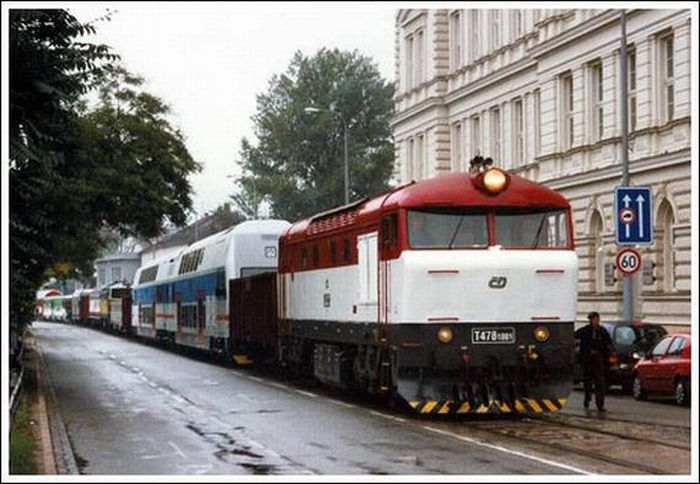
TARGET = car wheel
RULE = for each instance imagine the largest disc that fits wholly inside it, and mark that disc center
(682, 395)
(637, 390)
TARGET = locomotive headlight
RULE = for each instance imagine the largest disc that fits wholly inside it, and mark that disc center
(495, 180)
(541, 334)
(445, 335)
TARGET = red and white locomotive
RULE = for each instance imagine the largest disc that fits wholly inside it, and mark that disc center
(457, 294)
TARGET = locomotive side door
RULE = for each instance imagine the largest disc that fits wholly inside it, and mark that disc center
(388, 249)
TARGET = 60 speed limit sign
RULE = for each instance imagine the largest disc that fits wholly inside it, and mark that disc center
(628, 261)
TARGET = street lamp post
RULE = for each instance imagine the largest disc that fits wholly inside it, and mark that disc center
(346, 169)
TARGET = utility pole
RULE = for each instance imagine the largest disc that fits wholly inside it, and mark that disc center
(627, 295)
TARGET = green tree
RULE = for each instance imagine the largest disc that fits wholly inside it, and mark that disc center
(297, 163)
(76, 171)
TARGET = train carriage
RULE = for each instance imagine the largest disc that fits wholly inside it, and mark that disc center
(184, 298)
(80, 306)
(119, 301)
(458, 294)
(97, 311)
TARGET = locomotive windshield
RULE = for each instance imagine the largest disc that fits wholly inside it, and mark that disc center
(542, 230)
(436, 230)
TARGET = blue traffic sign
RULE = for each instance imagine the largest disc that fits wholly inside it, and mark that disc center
(633, 223)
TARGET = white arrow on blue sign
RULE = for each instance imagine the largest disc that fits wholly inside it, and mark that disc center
(633, 221)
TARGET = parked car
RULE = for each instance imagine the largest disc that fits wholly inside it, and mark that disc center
(630, 341)
(665, 369)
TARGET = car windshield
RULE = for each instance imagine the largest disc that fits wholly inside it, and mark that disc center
(440, 230)
(539, 230)
(660, 349)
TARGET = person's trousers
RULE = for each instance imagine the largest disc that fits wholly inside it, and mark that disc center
(594, 376)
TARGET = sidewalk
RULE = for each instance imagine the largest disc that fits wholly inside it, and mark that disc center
(52, 448)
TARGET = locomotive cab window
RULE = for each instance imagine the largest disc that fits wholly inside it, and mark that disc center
(533, 230)
(446, 230)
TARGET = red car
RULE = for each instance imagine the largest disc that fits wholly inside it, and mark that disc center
(665, 369)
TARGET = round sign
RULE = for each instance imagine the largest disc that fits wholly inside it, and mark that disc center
(628, 261)
(627, 216)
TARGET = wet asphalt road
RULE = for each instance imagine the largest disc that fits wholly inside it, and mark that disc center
(130, 408)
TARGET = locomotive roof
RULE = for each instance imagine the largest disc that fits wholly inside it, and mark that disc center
(452, 190)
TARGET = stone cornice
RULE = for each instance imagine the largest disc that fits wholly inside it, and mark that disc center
(431, 102)
(571, 34)
(654, 162)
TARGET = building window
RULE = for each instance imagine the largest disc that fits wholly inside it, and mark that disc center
(518, 133)
(495, 148)
(475, 37)
(495, 29)
(456, 39)
(596, 96)
(116, 274)
(664, 237)
(409, 161)
(409, 62)
(632, 87)
(419, 169)
(457, 147)
(516, 25)
(536, 114)
(567, 109)
(419, 51)
(476, 135)
(666, 77)
(536, 15)
(101, 276)
(597, 259)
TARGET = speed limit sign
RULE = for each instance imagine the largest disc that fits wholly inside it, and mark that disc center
(628, 261)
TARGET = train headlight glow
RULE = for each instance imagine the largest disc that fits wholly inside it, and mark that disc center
(541, 334)
(445, 335)
(495, 180)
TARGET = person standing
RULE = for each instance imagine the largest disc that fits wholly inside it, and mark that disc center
(596, 348)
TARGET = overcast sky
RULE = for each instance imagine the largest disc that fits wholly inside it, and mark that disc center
(208, 61)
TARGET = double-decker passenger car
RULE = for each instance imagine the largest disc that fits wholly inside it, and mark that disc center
(184, 299)
(457, 293)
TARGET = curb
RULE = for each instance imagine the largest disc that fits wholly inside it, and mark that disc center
(14, 398)
(62, 450)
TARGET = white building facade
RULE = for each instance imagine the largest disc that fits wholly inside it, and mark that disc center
(538, 91)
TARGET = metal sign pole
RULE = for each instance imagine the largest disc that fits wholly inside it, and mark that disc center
(627, 295)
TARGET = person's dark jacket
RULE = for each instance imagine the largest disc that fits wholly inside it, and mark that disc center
(601, 345)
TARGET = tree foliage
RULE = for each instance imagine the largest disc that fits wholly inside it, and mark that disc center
(297, 164)
(74, 170)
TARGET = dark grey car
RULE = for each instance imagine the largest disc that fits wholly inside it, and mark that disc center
(629, 338)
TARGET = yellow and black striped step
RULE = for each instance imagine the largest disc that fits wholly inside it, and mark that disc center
(520, 405)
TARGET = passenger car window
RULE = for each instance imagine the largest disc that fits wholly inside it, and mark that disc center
(625, 336)
(676, 346)
(660, 349)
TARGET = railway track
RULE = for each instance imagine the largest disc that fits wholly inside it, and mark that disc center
(625, 450)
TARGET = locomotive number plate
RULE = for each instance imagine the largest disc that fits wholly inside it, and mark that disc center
(493, 335)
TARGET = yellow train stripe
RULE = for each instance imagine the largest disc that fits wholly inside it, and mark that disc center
(445, 408)
(534, 405)
(464, 408)
(520, 407)
(562, 402)
(505, 408)
(428, 406)
(549, 405)
(414, 403)
(482, 409)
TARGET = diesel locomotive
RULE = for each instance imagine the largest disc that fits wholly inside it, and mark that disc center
(455, 294)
